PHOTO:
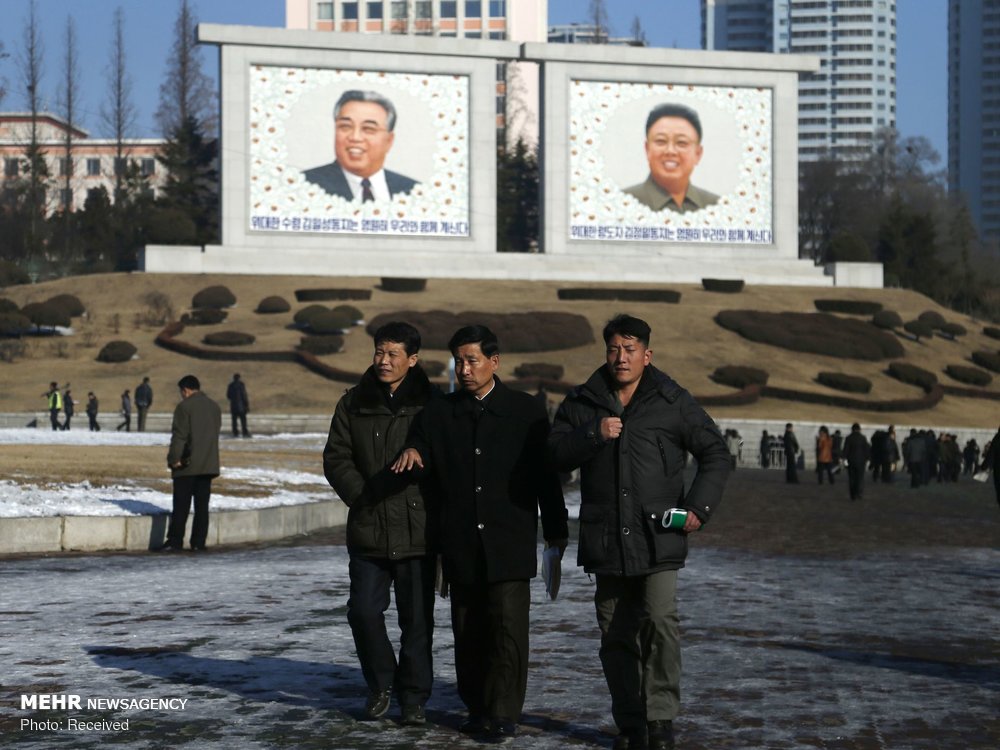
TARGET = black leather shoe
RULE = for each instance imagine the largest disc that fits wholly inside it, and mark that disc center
(502, 730)
(377, 704)
(473, 724)
(631, 740)
(661, 735)
(413, 715)
(167, 548)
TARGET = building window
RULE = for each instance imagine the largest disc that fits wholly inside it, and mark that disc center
(473, 35)
(473, 8)
(93, 167)
(498, 35)
(498, 8)
(449, 9)
(147, 167)
(375, 11)
(324, 11)
(349, 11)
(423, 9)
(65, 167)
(10, 167)
(399, 10)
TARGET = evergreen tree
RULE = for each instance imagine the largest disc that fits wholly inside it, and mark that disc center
(517, 200)
(192, 186)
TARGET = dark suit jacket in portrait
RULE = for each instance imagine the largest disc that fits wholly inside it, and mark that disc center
(655, 197)
(331, 178)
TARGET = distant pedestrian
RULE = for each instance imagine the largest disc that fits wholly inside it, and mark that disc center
(916, 457)
(126, 412)
(857, 451)
(193, 459)
(68, 408)
(239, 405)
(143, 400)
(54, 403)
(991, 461)
(824, 454)
(970, 456)
(838, 450)
(765, 450)
(791, 450)
(92, 406)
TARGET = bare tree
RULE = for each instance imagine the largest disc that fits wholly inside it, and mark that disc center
(186, 93)
(118, 113)
(67, 109)
(30, 60)
(598, 17)
(3, 83)
(637, 33)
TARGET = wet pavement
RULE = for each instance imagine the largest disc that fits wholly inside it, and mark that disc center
(895, 649)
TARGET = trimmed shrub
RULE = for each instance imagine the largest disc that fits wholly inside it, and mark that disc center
(11, 275)
(989, 360)
(8, 305)
(353, 313)
(13, 324)
(887, 319)
(738, 376)
(542, 370)
(952, 330)
(816, 333)
(968, 375)
(215, 297)
(116, 351)
(329, 321)
(307, 313)
(992, 331)
(69, 303)
(726, 286)
(848, 306)
(913, 375)
(668, 296)
(320, 345)
(433, 367)
(517, 332)
(272, 305)
(205, 316)
(931, 318)
(331, 295)
(928, 401)
(45, 315)
(841, 382)
(229, 338)
(919, 329)
(393, 284)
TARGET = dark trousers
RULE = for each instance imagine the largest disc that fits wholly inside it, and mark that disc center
(94, 427)
(66, 423)
(886, 472)
(824, 467)
(791, 471)
(490, 625)
(127, 424)
(856, 480)
(143, 411)
(198, 487)
(54, 417)
(413, 582)
(241, 417)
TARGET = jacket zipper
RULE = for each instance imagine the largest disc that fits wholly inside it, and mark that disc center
(663, 456)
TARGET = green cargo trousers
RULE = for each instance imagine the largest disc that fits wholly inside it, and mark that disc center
(640, 646)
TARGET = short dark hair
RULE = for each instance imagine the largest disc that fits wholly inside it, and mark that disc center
(190, 382)
(674, 110)
(356, 95)
(855, 427)
(399, 332)
(629, 327)
(475, 334)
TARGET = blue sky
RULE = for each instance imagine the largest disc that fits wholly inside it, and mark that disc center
(922, 74)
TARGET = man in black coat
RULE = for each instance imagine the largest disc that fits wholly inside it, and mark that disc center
(143, 400)
(485, 445)
(629, 429)
(791, 446)
(857, 451)
(239, 405)
(390, 526)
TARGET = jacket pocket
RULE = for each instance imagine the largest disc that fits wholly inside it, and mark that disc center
(595, 528)
(417, 513)
(665, 545)
(663, 456)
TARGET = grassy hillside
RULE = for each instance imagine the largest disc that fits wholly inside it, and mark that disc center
(687, 343)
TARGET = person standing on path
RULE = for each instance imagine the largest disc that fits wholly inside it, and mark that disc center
(629, 429)
(857, 451)
(239, 405)
(92, 406)
(126, 412)
(791, 452)
(54, 401)
(68, 408)
(193, 460)
(824, 454)
(143, 400)
(391, 525)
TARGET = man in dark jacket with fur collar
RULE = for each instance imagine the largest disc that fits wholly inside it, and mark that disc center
(628, 428)
(390, 529)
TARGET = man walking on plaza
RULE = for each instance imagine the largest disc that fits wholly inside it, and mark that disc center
(629, 428)
(54, 401)
(143, 400)
(239, 405)
(390, 525)
(193, 459)
(791, 446)
(857, 451)
(485, 446)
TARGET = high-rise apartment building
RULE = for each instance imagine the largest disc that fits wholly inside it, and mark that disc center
(513, 20)
(844, 105)
(974, 109)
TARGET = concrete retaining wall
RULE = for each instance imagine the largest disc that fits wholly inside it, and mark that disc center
(95, 533)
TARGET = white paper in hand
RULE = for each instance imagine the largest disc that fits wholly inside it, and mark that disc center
(551, 571)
